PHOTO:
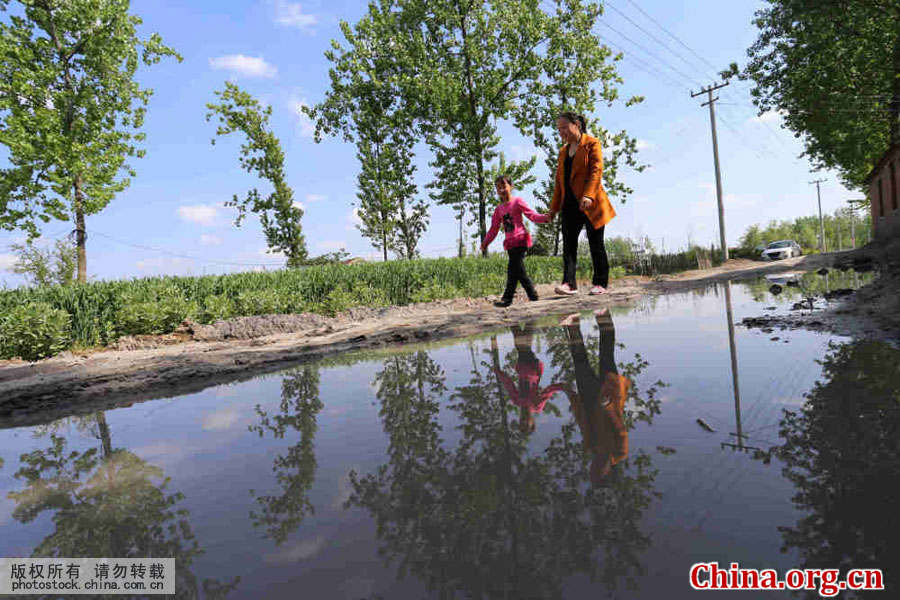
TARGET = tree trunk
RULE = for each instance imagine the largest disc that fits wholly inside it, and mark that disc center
(80, 233)
(105, 438)
(482, 203)
(461, 251)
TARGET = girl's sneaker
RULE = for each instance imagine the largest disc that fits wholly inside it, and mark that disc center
(598, 290)
(570, 320)
(502, 303)
(565, 290)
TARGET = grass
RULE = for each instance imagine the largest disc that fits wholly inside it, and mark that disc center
(101, 312)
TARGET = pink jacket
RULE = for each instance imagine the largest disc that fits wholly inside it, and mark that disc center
(528, 395)
(509, 214)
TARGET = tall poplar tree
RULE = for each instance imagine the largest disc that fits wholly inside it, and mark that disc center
(261, 153)
(70, 108)
(367, 105)
(576, 60)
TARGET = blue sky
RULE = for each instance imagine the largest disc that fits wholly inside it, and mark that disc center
(274, 49)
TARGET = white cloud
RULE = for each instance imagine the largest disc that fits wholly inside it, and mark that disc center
(353, 219)
(220, 420)
(519, 153)
(315, 197)
(239, 64)
(160, 264)
(7, 261)
(290, 14)
(296, 104)
(330, 245)
(203, 214)
(210, 240)
(294, 553)
(300, 205)
(644, 145)
(769, 116)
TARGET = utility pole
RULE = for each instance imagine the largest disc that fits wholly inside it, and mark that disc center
(837, 222)
(852, 226)
(712, 121)
(822, 245)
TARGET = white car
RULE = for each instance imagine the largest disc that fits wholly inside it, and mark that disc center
(782, 249)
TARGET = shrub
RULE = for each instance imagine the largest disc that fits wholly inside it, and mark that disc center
(33, 331)
(153, 316)
(217, 307)
(259, 302)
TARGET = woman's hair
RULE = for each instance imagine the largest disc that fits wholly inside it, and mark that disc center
(503, 178)
(575, 118)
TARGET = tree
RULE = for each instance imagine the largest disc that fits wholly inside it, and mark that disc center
(296, 470)
(838, 450)
(474, 65)
(576, 61)
(46, 266)
(71, 110)
(832, 69)
(488, 515)
(107, 501)
(367, 106)
(261, 153)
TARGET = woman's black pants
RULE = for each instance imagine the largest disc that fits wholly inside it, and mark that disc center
(572, 224)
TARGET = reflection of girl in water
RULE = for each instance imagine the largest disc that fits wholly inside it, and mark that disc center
(599, 403)
(527, 396)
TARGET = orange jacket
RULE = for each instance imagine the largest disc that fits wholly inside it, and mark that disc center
(586, 180)
(602, 427)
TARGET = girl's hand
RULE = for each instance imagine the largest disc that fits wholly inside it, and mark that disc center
(586, 203)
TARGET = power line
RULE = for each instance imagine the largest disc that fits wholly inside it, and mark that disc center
(653, 37)
(649, 53)
(187, 256)
(696, 54)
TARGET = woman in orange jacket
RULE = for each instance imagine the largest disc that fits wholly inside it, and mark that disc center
(580, 196)
(599, 401)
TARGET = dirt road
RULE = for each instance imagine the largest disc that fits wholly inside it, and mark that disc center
(203, 356)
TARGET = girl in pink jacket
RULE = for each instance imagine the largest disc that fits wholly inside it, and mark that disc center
(509, 214)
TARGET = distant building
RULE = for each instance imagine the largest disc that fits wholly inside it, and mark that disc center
(885, 195)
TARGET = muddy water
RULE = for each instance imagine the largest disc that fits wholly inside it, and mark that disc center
(601, 456)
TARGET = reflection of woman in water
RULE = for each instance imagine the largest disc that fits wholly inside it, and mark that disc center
(527, 396)
(599, 403)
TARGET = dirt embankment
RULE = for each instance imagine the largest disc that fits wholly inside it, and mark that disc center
(199, 356)
(872, 312)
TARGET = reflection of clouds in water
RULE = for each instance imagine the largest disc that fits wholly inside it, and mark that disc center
(292, 553)
(789, 401)
(226, 391)
(221, 419)
(358, 587)
(6, 508)
(164, 454)
(345, 489)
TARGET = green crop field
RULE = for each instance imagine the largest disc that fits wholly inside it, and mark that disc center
(37, 322)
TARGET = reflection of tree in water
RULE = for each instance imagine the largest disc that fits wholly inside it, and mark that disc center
(108, 502)
(295, 471)
(487, 519)
(842, 452)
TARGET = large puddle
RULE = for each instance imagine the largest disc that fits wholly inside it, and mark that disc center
(603, 455)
